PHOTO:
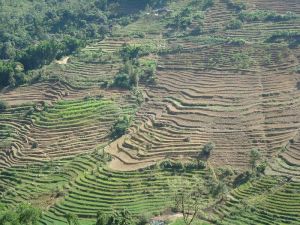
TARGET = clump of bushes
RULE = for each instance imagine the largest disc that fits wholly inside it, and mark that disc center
(3, 106)
(234, 24)
(291, 37)
(235, 41)
(266, 15)
(236, 5)
(133, 71)
(120, 126)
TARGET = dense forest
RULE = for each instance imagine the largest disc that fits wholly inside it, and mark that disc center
(34, 33)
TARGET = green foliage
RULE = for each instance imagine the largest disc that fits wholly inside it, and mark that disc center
(45, 52)
(130, 52)
(235, 41)
(199, 29)
(202, 4)
(122, 80)
(218, 189)
(241, 60)
(3, 106)
(72, 219)
(255, 155)
(24, 214)
(234, 24)
(122, 217)
(206, 150)
(236, 5)
(101, 218)
(242, 179)
(291, 37)
(120, 126)
(11, 73)
(266, 15)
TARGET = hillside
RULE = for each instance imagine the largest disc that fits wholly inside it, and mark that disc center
(206, 89)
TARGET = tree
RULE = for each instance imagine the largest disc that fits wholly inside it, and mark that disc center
(187, 195)
(205, 152)
(28, 215)
(101, 218)
(122, 217)
(9, 218)
(254, 157)
(3, 106)
(120, 126)
(72, 219)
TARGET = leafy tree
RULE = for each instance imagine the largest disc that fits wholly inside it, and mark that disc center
(3, 106)
(9, 218)
(187, 195)
(72, 219)
(24, 214)
(234, 24)
(120, 126)
(130, 52)
(205, 152)
(28, 215)
(122, 80)
(255, 155)
(122, 217)
(101, 218)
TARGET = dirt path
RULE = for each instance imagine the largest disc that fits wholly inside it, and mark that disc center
(167, 217)
(63, 61)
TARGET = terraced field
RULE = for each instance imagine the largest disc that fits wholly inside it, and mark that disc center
(232, 87)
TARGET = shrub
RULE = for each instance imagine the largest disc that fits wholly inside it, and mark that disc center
(3, 106)
(206, 150)
(170, 164)
(234, 24)
(122, 81)
(260, 169)
(34, 145)
(120, 126)
(235, 5)
(292, 37)
(236, 41)
(266, 15)
(197, 30)
(242, 178)
(207, 4)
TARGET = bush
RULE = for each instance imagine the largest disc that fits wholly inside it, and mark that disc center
(236, 41)
(197, 30)
(3, 106)
(234, 24)
(122, 81)
(266, 15)
(120, 126)
(206, 150)
(291, 37)
(170, 164)
(242, 178)
(235, 5)
(207, 4)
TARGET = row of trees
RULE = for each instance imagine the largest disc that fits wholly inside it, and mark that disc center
(13, 72)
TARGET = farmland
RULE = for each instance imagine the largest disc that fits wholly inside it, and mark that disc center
(202, 90)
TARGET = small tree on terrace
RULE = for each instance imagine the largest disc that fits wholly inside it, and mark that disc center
(187, 196)
(72, 219)
(255, 155)
(205, 152)
(101, 218)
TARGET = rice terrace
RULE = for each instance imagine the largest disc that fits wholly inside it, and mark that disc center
(149, 112)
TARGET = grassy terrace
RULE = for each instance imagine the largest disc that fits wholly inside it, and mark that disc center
(269, 200)
(227, 86)
(144, 191)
